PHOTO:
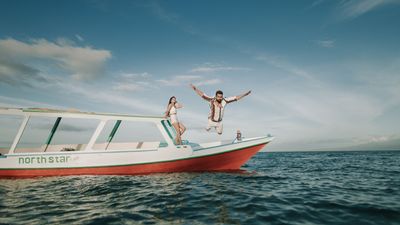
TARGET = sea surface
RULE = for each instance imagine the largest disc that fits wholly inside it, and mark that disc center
(272, 188)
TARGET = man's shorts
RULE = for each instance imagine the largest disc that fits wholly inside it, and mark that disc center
(217, 125)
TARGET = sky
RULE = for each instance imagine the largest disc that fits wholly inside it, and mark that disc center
(324, 74)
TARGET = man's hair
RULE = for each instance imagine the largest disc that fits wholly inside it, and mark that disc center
(219, 92)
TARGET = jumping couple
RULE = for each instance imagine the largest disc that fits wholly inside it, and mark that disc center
(217, 106)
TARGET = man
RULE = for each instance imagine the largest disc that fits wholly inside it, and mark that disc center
(217, 106)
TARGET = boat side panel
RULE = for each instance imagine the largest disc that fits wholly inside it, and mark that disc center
(79, 159)
(232, 160)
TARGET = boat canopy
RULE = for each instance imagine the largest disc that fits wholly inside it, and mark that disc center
(163, 125)
(73, 113)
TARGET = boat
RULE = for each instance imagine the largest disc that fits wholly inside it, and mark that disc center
(117, 158)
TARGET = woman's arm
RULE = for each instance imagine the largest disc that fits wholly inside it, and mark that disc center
(168, 109)
(178, 105)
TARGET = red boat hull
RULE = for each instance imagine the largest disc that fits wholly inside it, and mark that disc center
(226, 161)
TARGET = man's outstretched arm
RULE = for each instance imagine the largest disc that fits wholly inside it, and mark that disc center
(243, 95)
(200, 93)
(237, 97)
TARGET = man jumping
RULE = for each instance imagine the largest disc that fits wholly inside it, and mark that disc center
(217, 106)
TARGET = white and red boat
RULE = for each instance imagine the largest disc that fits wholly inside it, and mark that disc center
(113, 158)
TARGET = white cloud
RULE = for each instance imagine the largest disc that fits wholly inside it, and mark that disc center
(350, 112)
(14, 73)
(208, 82)
(211, 68)
(132, 82)
(79, 37)
(136, 75)
(85, 93)
(307, 115)
(378, 139)
(183, 80)
(113, 99)
(62, 41)
(170, 17)
(161, 13)
(379, 79)
(351, 9)
(127, 87)
(83, 63)
(286, 66)
(326, 43)
(179, 80)
(316, 3)
(12, 102)
(117, 100)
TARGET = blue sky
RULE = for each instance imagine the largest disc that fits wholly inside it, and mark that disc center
(324, 74)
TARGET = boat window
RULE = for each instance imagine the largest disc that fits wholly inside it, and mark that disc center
(73, 132)
(129, 135)
(51, 134)
(9, 126)
(35, 134)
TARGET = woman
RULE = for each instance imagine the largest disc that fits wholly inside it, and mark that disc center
(171, 112)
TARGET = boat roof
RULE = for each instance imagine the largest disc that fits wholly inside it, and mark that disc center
(74, 113)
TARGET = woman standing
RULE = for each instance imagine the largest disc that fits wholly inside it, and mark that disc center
(171, 112)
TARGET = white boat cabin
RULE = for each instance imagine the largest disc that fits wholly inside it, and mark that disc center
(48, 130)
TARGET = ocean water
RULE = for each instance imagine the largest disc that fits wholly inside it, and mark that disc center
(272, 188)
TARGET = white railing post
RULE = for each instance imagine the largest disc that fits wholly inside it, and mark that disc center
(19, 134)
(95, 135)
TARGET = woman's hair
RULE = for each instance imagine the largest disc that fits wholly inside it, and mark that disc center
(170, 99)
(169, 102)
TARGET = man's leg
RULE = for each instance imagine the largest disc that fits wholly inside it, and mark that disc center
(209, 125)
(220, 128)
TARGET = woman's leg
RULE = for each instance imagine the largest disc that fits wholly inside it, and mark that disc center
(178, 140)
(182, 128)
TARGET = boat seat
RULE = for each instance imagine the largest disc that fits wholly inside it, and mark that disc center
(59, 148)
(27, 150)
(99, 146)
(4, 151)
(122, 145)
(81, 147)
(127, 145)
(150, 145)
